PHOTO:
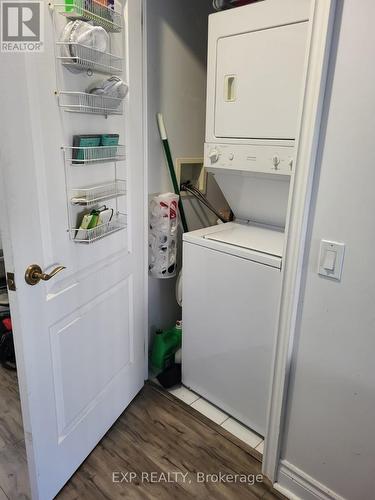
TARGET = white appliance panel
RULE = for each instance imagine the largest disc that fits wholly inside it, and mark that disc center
(256, 238)
(227, 239)
(255, 17)
(265, 158)
(229, 313)
(259, 197)
(259, 82)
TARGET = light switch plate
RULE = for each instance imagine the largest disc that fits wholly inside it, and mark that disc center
(326, 260)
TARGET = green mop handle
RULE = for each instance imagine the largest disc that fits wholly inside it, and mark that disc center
(167, 151)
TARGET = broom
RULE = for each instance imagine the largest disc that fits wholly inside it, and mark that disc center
(172, 172)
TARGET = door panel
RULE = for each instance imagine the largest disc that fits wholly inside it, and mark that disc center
(79, 338)
(98, 336)
(259, 81)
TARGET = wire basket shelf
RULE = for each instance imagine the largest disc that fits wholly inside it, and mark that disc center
(92, 10)
(95, 194)
(87, 236)
(87, 58)
(91, 155)
(82, 102)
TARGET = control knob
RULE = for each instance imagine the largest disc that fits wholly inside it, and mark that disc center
(214, 155)
(276, 162)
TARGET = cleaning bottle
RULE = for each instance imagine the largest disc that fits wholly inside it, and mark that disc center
(165, 345)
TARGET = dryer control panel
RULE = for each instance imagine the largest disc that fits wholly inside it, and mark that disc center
(249, 158)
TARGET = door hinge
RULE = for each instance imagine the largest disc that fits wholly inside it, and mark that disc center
(10, 282)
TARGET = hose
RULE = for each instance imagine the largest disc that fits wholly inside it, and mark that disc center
(200, 197)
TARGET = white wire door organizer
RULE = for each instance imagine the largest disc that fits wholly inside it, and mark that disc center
(87, 236)
(83, 58)
(91, 10)
(93, 195)
(102, 198)
(90, 155)
(78, 57)
(82, 102)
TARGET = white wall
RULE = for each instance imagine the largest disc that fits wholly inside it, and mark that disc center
(176, 86)
(330, 432)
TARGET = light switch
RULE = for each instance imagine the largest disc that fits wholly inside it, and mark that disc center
(331, 259)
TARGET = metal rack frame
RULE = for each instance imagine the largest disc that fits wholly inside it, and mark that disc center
(82, 102)
(92, 155)
(87, 58)
(77, 58)
(93, 195)
(91, 10)
(87, 236)
(89, 196)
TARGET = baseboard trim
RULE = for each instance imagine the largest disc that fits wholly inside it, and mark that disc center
(296, 484)
(284, 491)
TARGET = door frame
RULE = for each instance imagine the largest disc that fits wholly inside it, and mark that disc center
(145, 175)
(307, 142)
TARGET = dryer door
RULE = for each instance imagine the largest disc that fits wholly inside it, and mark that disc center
(259, 82)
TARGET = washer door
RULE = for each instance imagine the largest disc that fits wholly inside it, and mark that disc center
(259, 82)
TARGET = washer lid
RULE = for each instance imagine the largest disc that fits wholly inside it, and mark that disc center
(259, 238)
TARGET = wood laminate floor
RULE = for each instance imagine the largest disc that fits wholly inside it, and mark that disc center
(14, 481)
(156, 435)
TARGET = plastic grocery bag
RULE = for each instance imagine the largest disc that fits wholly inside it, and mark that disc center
(163, 229)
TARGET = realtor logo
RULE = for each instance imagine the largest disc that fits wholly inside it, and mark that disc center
(21, 26)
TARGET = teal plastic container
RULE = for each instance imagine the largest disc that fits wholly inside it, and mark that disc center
(164, 347)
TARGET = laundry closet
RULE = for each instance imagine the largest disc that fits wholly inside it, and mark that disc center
(129, 102)
(230, 282)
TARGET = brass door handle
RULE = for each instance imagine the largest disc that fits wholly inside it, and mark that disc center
(34, 274)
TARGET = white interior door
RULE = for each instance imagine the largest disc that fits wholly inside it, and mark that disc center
(80, 336)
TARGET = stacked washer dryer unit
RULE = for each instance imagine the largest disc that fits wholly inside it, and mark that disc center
(232, 272)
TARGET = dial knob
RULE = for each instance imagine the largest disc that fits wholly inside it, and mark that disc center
(276, 161)
(214, 155)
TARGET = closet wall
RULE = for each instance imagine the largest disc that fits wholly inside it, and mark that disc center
(330, 436)
(176, 65)
(176, 44)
